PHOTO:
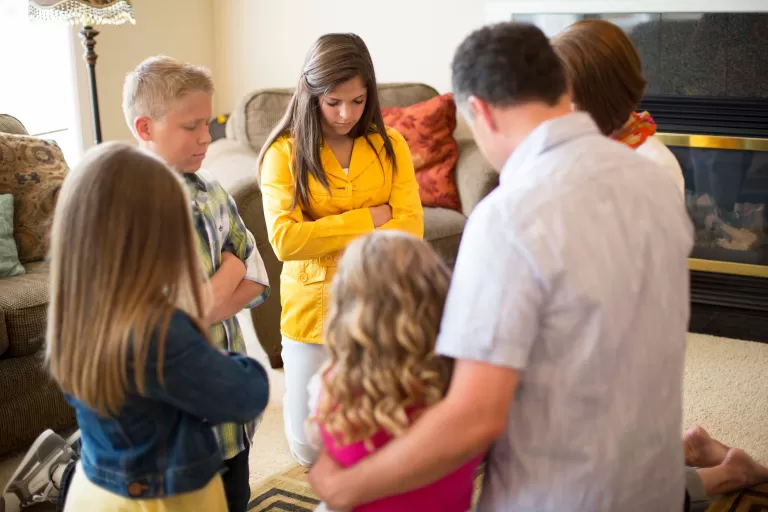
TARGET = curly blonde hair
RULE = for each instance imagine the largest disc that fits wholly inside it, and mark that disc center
(387, 301)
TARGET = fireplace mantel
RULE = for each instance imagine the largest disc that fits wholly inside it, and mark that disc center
(501, 10)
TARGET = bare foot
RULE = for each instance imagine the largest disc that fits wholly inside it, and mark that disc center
(701, 451)
(738, 471)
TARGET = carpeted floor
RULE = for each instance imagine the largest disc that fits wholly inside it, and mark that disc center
(289, 490)
(725, 392)
(286, 490)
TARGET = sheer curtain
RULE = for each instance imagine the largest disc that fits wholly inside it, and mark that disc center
(38, 77)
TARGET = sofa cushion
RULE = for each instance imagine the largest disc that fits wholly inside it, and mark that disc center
(475, 177)
(428, 128)
(9, 255)
(9, 124)
(30, 402)
(442, 223)
(32, 170)
(24, 307)
(403, 95)
(259, 112)
(443, 229)
(3, 335)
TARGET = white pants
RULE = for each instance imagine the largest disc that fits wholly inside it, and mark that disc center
(300, 362)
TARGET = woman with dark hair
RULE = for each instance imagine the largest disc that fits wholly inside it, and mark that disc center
(329, 172)
(606, 80)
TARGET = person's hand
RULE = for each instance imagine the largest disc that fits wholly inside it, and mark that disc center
(327, 479)
(233, 264)
(227, 257)
(223, 284)
(381, 214)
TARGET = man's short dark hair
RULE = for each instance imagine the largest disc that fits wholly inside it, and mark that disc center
(507, 64)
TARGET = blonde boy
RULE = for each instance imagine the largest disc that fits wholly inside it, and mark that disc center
(167, 104)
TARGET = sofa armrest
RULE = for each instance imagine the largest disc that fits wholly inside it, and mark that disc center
(475, 178)
(231, 163)
(234, 165)
(266, 317)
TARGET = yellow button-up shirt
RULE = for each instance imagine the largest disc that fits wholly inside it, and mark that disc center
(311, 250)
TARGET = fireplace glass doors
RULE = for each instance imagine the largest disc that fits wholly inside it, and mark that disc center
(727, 198)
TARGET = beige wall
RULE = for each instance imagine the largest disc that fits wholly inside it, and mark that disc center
(262, 43)
(250, 44)
(179, 28)
(504, 7)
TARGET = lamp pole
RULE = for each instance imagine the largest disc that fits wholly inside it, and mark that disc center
(88, 37)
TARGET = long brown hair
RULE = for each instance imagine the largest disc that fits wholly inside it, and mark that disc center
(604, 71)
(387, 300)
(123, 258)
(332, 60)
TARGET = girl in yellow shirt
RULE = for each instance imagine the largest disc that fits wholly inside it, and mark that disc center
(329, 173)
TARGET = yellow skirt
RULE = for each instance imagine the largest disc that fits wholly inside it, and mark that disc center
(84, 496)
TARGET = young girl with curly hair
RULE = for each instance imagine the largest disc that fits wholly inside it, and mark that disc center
(382, 373)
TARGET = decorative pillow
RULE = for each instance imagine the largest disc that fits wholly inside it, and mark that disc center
(428, 128)
(9, 256)
(32, 170)
(9, 124)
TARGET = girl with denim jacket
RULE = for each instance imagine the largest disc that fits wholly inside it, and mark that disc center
(126, 344)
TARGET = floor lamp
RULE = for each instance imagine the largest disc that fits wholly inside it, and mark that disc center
(88, 13)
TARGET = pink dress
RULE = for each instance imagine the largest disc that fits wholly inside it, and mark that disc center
(451, 494)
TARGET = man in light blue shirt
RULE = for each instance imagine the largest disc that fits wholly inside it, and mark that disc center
(567, 314)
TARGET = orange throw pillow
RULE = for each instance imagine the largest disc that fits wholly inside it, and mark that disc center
(428, 129)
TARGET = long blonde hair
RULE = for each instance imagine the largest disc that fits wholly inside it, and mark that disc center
(387, 301)
(123, 257)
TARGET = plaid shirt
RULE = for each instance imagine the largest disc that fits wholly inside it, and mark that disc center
(220, 228)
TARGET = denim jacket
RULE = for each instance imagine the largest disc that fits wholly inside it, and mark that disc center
(161, 443)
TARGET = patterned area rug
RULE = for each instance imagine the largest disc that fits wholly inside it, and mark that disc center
(286, 491)
(289, 491)
(750, 500)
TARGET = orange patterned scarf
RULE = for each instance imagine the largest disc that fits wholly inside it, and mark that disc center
(636, 131)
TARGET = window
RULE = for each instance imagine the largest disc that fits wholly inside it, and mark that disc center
(38, 77)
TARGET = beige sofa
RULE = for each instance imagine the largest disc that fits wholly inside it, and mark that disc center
(30, 402)
(233, 161)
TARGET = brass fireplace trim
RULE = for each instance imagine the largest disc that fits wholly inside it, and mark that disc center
(713, 141)
(728, 267)
(719, 142)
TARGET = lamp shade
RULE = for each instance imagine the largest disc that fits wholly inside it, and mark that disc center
(86, 12)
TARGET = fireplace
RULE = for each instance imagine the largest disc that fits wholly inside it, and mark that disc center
(725, 164)
(708, 92)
